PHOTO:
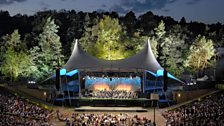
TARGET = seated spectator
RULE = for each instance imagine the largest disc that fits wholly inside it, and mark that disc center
(205, 112)
(121, 119)
(19, 112)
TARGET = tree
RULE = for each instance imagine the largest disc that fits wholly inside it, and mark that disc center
(16, 61)
(147, 22)
(13, 41)
(200, 55)
(159, 38)
(171, 47)
(10, 66)
(107, 35)
(16, 64)
(160, 30)
(88, 39)
(183, 21)
(129, 22)
(175, 48)
(48, 52)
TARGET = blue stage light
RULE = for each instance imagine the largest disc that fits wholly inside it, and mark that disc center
(159, 73)
(71, 73)
(62, 71)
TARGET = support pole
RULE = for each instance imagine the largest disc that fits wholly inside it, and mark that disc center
(143, 82)
(70, 102)
(79, 84)
(154, 98)
(154, 111)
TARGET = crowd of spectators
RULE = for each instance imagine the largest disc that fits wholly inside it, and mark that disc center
(13, 120)
(15, 111)
(84, 119)
(119, 94)
(208, 111)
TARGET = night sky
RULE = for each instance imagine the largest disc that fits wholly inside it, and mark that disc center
(207, 11)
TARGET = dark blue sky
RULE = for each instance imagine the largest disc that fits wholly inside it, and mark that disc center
(207, 11)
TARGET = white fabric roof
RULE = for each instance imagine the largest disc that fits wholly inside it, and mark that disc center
(144, 60)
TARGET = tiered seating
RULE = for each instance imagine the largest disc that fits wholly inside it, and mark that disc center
(18, 112)
(204, 112)
(86, 119)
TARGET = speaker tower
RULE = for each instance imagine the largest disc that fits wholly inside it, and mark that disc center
(165, 80)
(57, 79)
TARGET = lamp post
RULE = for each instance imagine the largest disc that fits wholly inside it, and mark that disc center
(154, 97)
(154, 113)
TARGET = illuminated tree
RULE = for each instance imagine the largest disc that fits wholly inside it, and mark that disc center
(157, 41)
(89, 38)
(160, 30)
(48, 52)
(137, 44)
(174, 50)
(159, 38)
(16, 61)
(171, 47)
(107, 35)
(200, 55)
(13, 41)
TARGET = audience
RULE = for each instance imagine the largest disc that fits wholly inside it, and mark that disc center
(18, 112)
(206, 112)
(15, 111)
(85, 119)
(120, 94)
(12, 120)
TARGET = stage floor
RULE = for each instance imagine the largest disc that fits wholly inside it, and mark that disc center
(111, 109)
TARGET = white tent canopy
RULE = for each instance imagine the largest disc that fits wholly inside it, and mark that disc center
(144, 60)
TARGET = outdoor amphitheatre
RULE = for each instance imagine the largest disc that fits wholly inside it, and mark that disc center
(70, 68)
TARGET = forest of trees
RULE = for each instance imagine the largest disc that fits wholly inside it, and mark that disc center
(32, 46)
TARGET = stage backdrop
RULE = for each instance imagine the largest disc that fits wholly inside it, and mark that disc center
(113, 83)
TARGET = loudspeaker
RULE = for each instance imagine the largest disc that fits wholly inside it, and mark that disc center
(57, 79)
(165, 80)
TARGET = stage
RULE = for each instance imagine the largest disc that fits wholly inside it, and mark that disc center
(110, 109)
(104, 102)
